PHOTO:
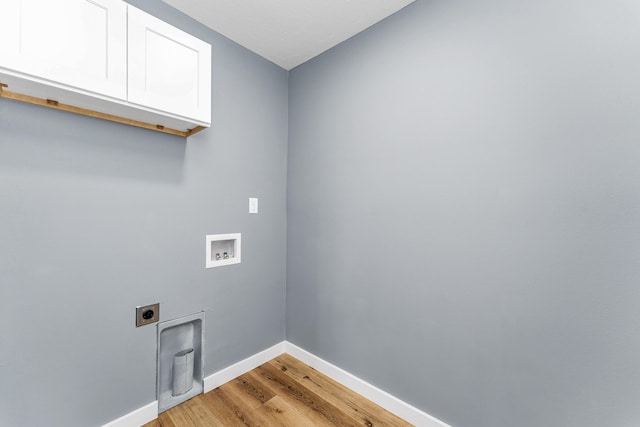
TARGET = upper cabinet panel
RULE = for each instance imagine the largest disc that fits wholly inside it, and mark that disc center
(73, 53)
(169, 70)
(10, 29)
(78, 43)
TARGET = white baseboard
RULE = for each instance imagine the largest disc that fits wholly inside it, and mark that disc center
(138, 417)
(234, 371)
(390, 403)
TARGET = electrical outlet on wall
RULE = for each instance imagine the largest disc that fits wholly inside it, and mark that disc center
(253, 205)
(147, 314)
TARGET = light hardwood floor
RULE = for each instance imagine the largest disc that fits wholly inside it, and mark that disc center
(282, 392)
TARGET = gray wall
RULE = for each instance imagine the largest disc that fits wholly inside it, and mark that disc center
(96, 218)
(464, 205)
(463, 200)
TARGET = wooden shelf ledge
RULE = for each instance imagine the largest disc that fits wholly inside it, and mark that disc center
(50, 103)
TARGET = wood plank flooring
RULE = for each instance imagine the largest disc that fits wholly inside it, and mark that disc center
(283, 392)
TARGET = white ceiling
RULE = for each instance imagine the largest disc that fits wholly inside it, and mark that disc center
(288, 32)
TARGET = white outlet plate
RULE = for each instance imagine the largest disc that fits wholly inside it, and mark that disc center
(253, 205)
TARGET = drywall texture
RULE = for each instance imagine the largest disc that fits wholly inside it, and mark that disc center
(464, 204)
(96, 218)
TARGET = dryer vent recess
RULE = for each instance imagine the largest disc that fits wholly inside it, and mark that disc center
(180, 369)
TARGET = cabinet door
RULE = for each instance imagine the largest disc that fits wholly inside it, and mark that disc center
(79, 43)
(169, 70)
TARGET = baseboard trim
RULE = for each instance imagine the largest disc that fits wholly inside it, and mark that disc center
(234, 371)
(391, 403)
(138, 417)
(387, 401)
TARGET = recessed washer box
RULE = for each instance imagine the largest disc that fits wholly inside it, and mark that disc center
(223, 249)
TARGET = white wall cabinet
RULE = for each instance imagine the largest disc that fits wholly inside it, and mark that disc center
(168, 69)
(79, 43)
(72, 55)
